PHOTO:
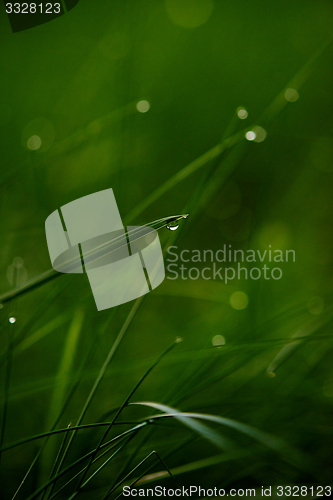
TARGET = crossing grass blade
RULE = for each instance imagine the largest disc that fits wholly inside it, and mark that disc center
(190, 419)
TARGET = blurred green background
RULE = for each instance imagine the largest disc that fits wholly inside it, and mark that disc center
(71, 125)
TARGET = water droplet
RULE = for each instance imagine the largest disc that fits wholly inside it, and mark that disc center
(270, 374)
(12, 320)
(185, 216)
(173, 226)
(178, 340)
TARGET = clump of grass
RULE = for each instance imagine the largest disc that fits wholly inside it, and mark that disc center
(81, 455)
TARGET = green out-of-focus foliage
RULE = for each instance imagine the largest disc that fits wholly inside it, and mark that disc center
(215, 108)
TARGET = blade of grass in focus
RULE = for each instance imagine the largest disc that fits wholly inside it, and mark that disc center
(113, 245)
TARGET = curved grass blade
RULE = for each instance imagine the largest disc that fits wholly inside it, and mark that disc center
(190, 420)
(99, 251)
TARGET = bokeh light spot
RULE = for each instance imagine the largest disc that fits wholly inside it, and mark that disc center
(291, 95)
(260, 134)
(143, 106)
(250, 135)
(242, 113)
(218, 340)
(38, 134)
(189, 13)
(239, 300)
(34, 142)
